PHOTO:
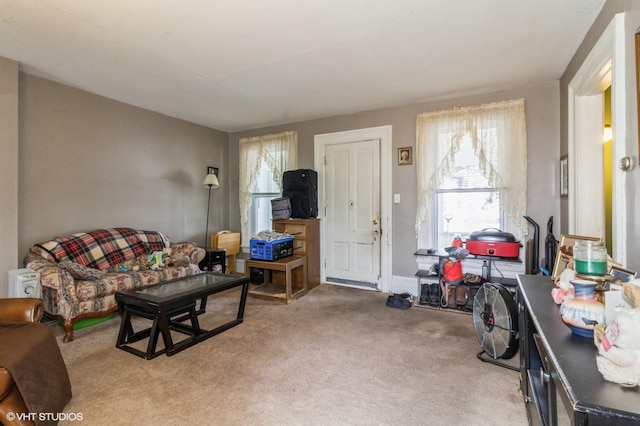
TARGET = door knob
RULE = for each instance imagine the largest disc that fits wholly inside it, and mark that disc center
(625, 163)
(375, 221)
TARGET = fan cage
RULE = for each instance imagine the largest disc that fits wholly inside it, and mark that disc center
(495, 318)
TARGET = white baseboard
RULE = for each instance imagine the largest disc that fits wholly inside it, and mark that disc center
(240, 265)
(404, 285)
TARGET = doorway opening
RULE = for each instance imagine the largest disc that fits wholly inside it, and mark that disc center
(602, 69)
(369, 220)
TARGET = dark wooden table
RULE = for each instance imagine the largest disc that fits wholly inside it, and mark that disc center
(559, 377)
(168, 305)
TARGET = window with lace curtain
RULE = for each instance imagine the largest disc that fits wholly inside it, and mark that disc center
(263, 159)
(471, 172)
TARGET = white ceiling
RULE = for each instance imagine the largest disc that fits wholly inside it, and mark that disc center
(239, 64)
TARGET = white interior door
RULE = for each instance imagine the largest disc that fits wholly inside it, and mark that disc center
(352, 214)
(384, 135)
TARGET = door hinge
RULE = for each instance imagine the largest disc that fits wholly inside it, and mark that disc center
(325, 160)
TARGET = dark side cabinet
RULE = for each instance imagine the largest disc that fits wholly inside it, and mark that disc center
(214, 261)
(559, 378)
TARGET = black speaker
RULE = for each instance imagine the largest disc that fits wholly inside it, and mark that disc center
(301, 187)
(214, 261)
(256, 276)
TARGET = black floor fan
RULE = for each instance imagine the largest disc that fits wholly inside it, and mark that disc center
(495, 318)
(495, 314)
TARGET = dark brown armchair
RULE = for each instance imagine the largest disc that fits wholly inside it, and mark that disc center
(29, 358)
(21, 310)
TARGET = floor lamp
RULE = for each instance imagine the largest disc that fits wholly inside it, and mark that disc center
(210, 182)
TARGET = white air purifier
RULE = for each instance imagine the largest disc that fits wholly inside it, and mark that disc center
(24, 283)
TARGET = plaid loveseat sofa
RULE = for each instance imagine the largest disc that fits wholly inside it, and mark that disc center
(80, 273)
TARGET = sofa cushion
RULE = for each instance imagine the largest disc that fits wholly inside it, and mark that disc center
(81, 272)
(103, 248)
(94, 290)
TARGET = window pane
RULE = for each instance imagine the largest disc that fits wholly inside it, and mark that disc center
(264, 181)
(465, 172)
(261, 212)
(460, 213)
(264, 190)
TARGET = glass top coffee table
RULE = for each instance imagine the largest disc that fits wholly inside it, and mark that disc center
(169, 305)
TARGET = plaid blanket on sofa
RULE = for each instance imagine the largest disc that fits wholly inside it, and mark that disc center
(103, 248)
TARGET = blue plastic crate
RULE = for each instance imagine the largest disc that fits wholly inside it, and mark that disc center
(271, 250)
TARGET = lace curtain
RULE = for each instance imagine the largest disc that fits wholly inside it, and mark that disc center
(279, 151)
(499, 138)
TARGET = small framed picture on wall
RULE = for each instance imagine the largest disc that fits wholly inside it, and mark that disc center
(405, 156)
(212, 171)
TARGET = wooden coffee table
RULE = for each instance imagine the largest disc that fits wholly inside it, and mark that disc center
(168, 305)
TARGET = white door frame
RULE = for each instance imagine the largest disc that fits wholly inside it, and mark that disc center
(383, 133)
(604, 66)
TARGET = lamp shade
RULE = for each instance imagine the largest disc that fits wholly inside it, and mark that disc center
(211, 182)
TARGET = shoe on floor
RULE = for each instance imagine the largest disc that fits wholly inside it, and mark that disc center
(405, 296)
(397, 301)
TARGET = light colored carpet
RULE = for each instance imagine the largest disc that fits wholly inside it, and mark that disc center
(337, 356)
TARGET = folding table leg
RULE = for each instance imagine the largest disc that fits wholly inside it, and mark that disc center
(126, 329)
(153, 339)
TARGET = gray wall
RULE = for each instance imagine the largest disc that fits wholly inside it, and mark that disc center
(89, 162)
(543, 133)
(8, 169)
(631, 8)
(86, 161)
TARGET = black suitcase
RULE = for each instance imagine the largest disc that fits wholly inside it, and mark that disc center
(301, 187)
(303, 205)
(300, 180)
